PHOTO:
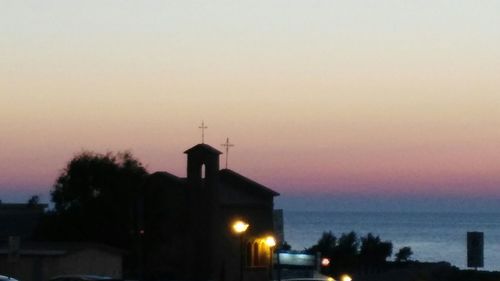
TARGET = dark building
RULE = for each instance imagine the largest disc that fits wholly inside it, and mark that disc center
(19, 220)
(188, 232)
(40, 261)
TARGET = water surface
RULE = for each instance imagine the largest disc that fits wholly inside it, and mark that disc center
(432, 236)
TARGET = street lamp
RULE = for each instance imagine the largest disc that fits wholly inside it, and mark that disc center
(270, 242)
(239, 227)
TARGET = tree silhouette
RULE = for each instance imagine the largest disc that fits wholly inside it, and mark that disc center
(285, 246)
(349, 253)
(33, 201)
(95, 199)
(345, 255)
(373, 251)
(348, 244)
(403, 254)
(326, 245)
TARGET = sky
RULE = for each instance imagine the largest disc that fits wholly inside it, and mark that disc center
(325, 101)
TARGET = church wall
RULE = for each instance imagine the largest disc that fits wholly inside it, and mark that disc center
(165, 240)
(259, 218)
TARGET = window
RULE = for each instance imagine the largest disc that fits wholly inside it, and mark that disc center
(255, 254)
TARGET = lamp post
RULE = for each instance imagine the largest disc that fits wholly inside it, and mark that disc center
(278, 265)
(240, 227)
(271, 243)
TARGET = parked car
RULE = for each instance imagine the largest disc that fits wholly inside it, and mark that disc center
(310, 279)
(343, 277)
(80, 278)
(7, 278)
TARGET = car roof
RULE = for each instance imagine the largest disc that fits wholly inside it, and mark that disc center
(3, 277)
(82, 277)
(305, 279)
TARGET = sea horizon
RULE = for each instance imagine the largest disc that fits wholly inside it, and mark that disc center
(433, 236)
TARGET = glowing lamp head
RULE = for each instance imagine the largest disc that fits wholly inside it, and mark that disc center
(345, 277)
(240, 226)
(270, 241)
(330, 279)
(325, 262)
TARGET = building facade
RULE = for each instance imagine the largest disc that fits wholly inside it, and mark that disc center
(188, 223)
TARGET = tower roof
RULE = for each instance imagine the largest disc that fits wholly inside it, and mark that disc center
(202, 147)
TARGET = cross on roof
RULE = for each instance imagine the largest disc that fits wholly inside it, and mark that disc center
(227, 145)
(203, 127)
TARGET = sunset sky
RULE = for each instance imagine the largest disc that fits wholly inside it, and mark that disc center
(322, 99)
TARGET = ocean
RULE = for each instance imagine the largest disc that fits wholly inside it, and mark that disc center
(432, 236)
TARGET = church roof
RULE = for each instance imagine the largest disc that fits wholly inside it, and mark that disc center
(202, 147)
(226, 174)
(165, 175)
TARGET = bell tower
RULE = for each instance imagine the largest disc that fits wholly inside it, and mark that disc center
(202, 166)
(202, 181)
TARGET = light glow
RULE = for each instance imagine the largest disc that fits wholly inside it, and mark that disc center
(345, 277)
(270, 241)
(240, 226)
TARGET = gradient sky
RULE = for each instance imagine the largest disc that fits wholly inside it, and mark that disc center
(391, 99)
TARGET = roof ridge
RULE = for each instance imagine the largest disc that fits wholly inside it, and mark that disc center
(248, 180)
(203, 146)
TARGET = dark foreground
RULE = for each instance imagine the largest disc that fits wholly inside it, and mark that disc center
(417, 271)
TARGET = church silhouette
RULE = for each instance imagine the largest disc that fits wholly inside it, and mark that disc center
(188, 223)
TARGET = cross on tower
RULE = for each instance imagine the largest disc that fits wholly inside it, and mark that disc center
(227, 145)
(203, 127)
